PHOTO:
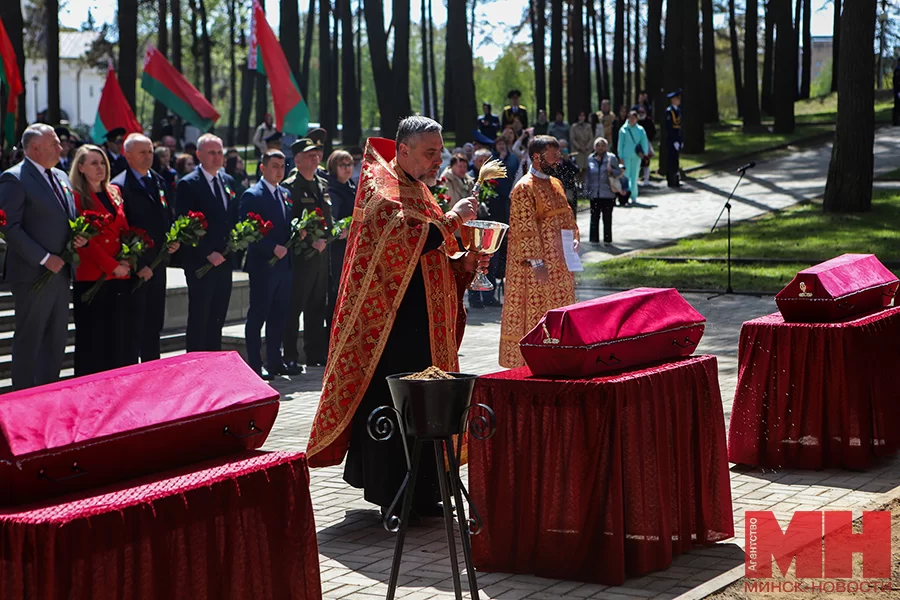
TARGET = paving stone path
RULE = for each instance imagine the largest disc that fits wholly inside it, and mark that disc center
(355, 551)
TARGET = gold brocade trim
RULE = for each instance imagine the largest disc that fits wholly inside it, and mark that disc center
(510, 338)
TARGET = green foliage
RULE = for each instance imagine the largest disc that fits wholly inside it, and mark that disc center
(513, 69)
(821, 85)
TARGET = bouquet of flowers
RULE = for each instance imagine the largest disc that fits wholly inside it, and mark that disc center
(314, 225)
(2, 223)
(298, 232)
(440, 194)
(187, 230)
(488, 190)
(135, 241)
(337, 231)
(87, 225)
(252, 229)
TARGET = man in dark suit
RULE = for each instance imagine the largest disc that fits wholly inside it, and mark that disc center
(113, 147)
(209, 191)
(65, 158)
(38, 203)
(147, 207)
(270, 286)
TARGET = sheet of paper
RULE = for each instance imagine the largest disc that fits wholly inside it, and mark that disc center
(573, 261)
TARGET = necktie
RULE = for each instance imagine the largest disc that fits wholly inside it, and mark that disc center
(59, 196)
(218, 192)
(280, 202)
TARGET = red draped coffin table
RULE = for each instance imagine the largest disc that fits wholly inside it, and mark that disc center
(600, 479)
(817, 395)
(236, 528)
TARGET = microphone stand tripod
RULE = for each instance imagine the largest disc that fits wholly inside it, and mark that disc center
(729, 289)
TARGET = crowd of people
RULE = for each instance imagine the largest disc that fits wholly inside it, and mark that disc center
(141, 185)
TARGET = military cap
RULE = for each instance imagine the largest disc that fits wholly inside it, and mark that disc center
(304, 145)
(513, 93)
(317, 135)
(62, 133)
(675, 93)
(114, 133)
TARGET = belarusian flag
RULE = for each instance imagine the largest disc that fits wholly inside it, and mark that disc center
(9, 75)
(113, 110)
(266, 56)
(166, 84)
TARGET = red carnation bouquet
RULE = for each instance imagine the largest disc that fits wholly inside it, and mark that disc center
(252, 229)
(314, 224)
(135, 241)
(488, 190)
(2, 223)
(187, 230)
(441, 195)
(298, 232)
(87, 225)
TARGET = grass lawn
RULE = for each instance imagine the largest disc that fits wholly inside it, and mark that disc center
(803, 235)
(889, 176)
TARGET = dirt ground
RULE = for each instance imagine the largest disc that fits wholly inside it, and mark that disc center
(736, 591)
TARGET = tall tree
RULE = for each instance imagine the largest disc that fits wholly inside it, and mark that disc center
(556, 60)
(262, 92)
(768, 73)
(232, 72)
(303, 82)
(619, 57)
(694, 104)
(327, 103)
(638, 86)
(426, 72)
(882, 41)
(247, 81)
(289, 34)
(207, 52)
(176, 34)
(627, 53)
(806, 73)
(785, 67)
(607, 84)
(849, 184)
(735, 58)
(655, 59)
(351, 113)
(196, 52)
(400, 63)
(798, 29)
(128, 43)
(673, 74)
(711, 110)
(434, 95)
(598, 69)
(53, 110)
(750, 105)
(162, 43)
(836, 45)
(381, 67)
(537, 13)
(580, 95)
(459, 67)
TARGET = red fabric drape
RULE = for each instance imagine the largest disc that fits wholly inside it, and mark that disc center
(816, 395)
(600, 479)
(232, 529)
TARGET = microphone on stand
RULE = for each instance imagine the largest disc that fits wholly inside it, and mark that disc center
(749, 165)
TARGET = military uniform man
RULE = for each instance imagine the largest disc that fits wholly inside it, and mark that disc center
(513, 111)
(309, 287)
(674, 139)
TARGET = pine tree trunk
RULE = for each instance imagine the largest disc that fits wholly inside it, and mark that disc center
(400, 64)
(336, 74)
(655, 59)
(571, 84)
(434, 94)
(785, 67)
(232, 73)
(581, 100)
(798, 26)
(53, 110)
(176, 34)
(162, 44)
(694, 103)
(426, 84)
(627, 56)
(806, 72)
(638, 86)
(850, 173)
(246, 105)
(460, 66)
(673, 74)
(556, 60)
(350, 100)
(768, 78)
(262, 92)
(598, 68)
(604, 55)
(882, 31)
(303, 82)
(195, 43)
(619, 57)
(735, 59)
(537, 16)
(381, 68)
(289, 34)
(836, 46)
(750, 106)
(207, 54)
(128, 40)
(711, 109)
(327, 103)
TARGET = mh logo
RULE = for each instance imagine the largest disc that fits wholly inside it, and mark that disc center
(821, 542)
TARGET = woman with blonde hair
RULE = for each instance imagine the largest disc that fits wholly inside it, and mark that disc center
(101, 326)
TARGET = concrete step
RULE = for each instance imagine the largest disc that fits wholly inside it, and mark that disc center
(6, 339)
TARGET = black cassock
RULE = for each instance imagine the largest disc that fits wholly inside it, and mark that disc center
(379, 467)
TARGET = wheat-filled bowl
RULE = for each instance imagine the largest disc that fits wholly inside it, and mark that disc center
(432, 408)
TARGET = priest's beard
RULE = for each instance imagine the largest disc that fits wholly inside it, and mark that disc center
(428, 179)
(545, 167)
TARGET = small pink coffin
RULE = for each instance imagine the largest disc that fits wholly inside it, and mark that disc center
(836, 289)
(612, 333)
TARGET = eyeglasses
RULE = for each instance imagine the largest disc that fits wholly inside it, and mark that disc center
(346, 165)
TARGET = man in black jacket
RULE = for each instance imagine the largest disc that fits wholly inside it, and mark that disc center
(146, 207)
(211, 192)
(113, 147)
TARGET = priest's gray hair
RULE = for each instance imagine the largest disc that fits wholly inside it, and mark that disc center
(415, 126)
(33, 132)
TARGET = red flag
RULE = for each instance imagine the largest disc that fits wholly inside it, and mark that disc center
(113, 111)
(9, 75)
(166, 84)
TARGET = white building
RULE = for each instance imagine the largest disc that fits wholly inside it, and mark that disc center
(80, 84)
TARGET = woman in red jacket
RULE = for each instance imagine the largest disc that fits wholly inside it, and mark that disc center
(101, 327)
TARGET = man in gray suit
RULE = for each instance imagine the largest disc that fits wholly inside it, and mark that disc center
(38, 202)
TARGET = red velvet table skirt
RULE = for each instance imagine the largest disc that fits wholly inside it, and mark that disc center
(239, 528)
(817, 395)
(600, 479)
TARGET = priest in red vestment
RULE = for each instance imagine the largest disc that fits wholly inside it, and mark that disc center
(398, 310)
